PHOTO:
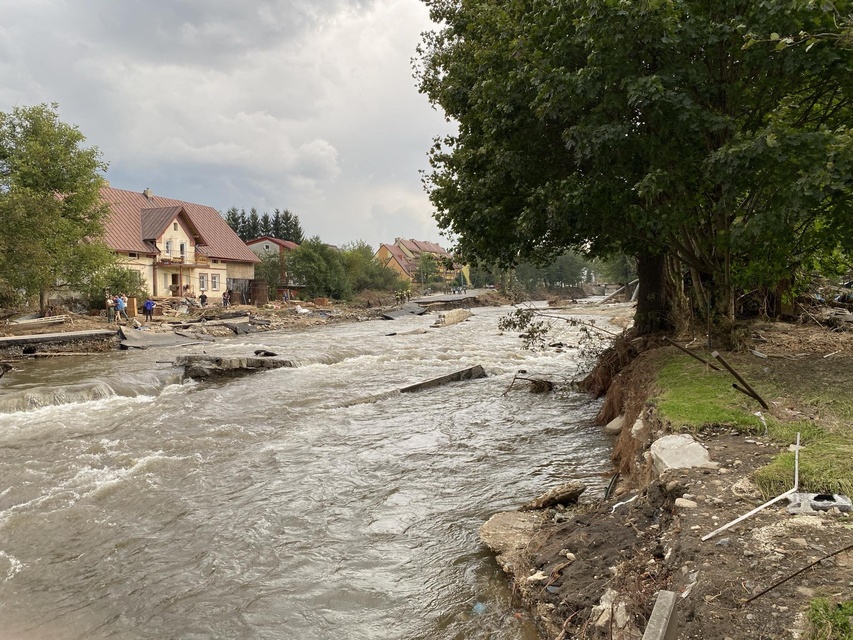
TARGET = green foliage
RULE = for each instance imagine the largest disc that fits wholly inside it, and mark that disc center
(320, 268)
(114, 280)
(365, 272)
(51, 215)
(642, 127)
(427, 269)
(830, 621)
(565, 270)
(270, 269)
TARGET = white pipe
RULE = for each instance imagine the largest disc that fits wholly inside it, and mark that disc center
(747, 515)
(774, 500)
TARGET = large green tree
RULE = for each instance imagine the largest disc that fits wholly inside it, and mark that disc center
(364, 271)
(320, 269)
(644, 127)
(51, 214)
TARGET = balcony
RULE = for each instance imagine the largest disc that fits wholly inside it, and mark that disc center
(177, 260)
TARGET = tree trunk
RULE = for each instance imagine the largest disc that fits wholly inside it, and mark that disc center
(43, 300)
(654, 300)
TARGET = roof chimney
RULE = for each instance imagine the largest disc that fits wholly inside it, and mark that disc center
(147, 193)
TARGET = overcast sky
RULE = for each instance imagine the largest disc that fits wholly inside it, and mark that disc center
(307, 105)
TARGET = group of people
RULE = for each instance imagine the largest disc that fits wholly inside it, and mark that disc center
(116, 307)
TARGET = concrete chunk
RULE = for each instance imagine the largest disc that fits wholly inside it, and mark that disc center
(679, 452)
(615, 426)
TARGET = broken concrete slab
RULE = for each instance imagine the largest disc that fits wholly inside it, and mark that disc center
(566, 493)
(240, 328)
(614, 427)
(680, 451)
(409, 308)
(136, 339)
(454, 316)
(204, 366)
(465, 374)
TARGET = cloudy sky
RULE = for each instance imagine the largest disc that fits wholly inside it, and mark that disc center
(308, 105)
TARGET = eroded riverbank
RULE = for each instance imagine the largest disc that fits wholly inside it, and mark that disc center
(594, 571)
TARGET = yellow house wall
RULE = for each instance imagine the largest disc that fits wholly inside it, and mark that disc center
(385, 257)
(173, 238)
(143, 265)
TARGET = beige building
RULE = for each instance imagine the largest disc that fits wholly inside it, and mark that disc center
(179, 248)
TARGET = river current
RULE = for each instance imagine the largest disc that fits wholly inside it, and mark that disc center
(314, 502)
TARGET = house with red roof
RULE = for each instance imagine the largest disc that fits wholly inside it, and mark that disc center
(395, 258)
(404, 255)
(179, 248)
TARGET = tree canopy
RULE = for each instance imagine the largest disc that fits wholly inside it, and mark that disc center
(51, 214)
(643, 127)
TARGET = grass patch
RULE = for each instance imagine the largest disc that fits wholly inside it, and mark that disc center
(692, 397)
(830, 621)
(826, 466)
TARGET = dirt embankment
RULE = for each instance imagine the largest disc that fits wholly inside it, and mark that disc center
(594, 570)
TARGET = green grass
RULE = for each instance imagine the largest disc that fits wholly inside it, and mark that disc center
(692, 398)
(830, 621)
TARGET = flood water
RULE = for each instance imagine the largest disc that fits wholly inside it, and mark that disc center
(314, 502)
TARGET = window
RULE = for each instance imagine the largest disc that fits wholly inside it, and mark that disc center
(214, 281)
(216, 262)
(266, 247)
(183, 247)
(202, 281)
(175, 226)
(132, 255)
(169, 248)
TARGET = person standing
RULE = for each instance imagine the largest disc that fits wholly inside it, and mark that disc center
(148, 309)
(121, 308)
(111, 310)
(203, 299)
(226, 299)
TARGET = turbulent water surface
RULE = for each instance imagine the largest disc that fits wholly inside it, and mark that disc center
(314, 502)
